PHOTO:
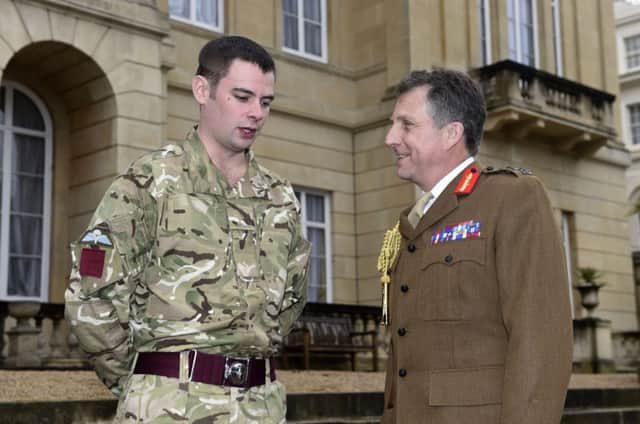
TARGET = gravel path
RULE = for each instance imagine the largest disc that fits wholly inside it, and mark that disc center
(84, 385)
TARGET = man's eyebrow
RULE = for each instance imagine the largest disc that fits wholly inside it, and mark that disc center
(239, 90)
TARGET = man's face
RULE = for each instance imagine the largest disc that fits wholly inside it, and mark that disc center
(418, 145)
(235, 113)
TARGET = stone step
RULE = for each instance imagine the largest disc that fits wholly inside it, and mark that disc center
(308, 407)
(578, 399)
(602, 416)
(583, 406)
(338, 420)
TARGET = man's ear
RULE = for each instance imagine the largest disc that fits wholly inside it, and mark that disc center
(454, 134)
(200, 88)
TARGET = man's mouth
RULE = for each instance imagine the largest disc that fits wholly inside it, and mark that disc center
(248, 132)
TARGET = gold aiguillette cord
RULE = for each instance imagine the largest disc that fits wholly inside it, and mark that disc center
(388, 253)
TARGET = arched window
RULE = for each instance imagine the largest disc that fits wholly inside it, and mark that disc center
(25, 194)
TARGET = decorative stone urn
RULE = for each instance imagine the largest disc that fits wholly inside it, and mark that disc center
(589, 287)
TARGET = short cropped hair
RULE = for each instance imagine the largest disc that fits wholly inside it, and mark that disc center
(216, 56)
(452, 96)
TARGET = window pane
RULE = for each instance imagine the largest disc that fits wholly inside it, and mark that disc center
(317, 264)
(312, 39)
(315, 208)
(1, 162)
(25, 235)
(28, 154)
(513, 50)
(291, 32)
(25, 112)
(2, 105)
(634, 121)
(312, 10)
(179, 8)
(27, 194)
(207, 12)
(635, 135)
(525, 12)
(24, 277)
(290, 6)
(483, 30)
(526, 32)
(634, 113)
(527, 45)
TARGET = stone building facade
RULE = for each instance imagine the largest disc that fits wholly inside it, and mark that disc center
(100, 82)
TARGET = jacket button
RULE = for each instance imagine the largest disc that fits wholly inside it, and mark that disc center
(411, 247)
(448, 259)
(402, 331)
(404, 288)
(402, 372)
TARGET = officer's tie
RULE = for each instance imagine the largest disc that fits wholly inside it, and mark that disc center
(418, 210)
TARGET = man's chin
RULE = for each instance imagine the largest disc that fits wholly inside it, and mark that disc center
(404, 175)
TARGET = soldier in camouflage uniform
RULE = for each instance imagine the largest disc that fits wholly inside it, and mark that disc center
(193, 267)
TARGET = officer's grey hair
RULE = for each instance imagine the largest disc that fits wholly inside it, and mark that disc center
(452, 96)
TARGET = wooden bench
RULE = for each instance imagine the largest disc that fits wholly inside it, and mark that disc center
(329, 333)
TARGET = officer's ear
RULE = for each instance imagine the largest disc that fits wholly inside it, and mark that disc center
(201, 89)
(453, 134)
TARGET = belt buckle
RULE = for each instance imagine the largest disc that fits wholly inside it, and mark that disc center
(236, 372)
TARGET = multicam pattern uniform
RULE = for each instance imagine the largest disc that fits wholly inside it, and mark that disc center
(194, 263)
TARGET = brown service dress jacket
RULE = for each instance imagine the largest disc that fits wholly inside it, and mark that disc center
(481, 327)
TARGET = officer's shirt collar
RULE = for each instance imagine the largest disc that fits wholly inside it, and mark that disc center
(437, 189)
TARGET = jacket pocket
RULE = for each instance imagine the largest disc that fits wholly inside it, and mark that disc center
(447, 280)
(466, 387)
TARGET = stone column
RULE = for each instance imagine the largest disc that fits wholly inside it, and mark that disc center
(23, 338)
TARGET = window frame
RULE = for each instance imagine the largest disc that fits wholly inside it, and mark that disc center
(518, 35)
(8, 131)
(626, 53)
(300, 19)
(193, 21)
(326, 226)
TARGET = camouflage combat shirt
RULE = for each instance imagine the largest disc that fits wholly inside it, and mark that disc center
(175, 258)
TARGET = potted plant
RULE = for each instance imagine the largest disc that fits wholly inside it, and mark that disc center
(588, 285)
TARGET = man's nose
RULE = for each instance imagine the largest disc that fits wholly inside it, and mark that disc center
(391, 138)
(256, 111)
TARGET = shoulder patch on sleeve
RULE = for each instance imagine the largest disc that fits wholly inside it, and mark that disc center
(509, 170)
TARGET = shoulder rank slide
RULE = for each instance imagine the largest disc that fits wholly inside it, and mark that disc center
(468, 181)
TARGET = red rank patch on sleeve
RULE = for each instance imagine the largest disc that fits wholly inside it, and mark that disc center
(92, 262)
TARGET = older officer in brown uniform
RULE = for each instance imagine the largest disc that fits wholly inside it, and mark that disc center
(480, 315)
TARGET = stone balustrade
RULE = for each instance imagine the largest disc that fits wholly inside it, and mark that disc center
(529, 103)
(37, 337)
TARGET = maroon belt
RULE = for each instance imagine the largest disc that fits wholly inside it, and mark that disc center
(206, 368)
